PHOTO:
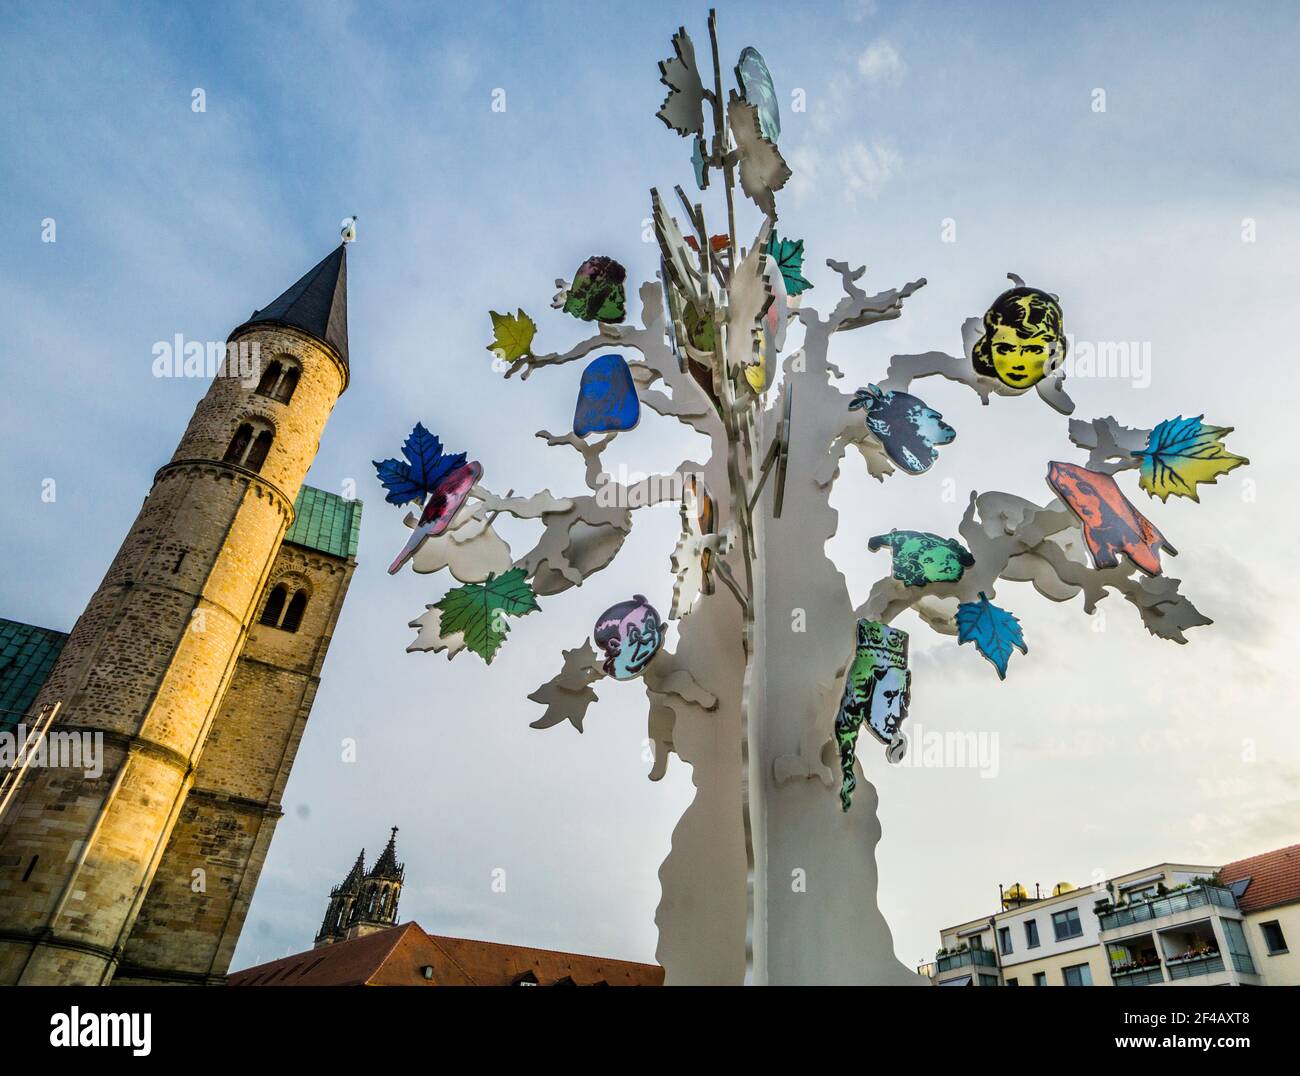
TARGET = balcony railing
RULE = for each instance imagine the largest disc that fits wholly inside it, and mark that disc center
(1243, 963)
(971, 958)
(1137, 976)
(1158, 907)
(1189, 967)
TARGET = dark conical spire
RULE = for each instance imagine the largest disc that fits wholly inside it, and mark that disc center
(386, 866)
(317, 303)
(357, 872)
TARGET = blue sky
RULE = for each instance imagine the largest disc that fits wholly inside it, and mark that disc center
(1117, 749)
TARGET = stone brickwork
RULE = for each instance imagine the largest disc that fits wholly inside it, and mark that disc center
(149, 664)
(194, 911)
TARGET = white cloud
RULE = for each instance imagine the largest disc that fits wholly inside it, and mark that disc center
(864, 169)
(880, 64)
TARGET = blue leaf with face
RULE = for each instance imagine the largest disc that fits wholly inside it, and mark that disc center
(994, 631)
(908, 429)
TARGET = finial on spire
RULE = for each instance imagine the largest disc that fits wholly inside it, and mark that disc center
(349, 228)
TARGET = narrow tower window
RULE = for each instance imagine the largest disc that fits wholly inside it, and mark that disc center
(269, 378)
(239, 444)
(288, 382)
(293, 615)
(257, 454)
(274, 607)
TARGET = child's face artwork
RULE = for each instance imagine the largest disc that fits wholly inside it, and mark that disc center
(1019, 359)
(921, 557)
(1022, 340)
(1111, 525)
(629, 634)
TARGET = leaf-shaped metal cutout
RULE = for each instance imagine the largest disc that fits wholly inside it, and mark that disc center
(683, 108)
(477, 611)
(993, 630)
(1181, 453)
(762, 168)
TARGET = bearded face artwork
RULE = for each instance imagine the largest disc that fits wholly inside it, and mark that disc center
(1111, 525)
(596, 293)
(877, 690)
(629, 634)
(921, 557)
(907, 428)
(1022, 340)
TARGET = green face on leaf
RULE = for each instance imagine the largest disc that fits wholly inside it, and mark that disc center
(597, 291)
(921, 558)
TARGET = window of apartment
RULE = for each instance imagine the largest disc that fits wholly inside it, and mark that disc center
(1040, 978)
(1066, 924)
(1077, 975)
(1004, 940)
(1013, 982)
(977, 942)
(1031, 934)
(988, 980)
(1274, 939)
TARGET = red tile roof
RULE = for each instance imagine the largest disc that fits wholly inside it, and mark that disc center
(398, 956)
(1274, 878)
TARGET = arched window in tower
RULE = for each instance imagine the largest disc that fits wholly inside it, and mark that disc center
(293, 615)
(239, 444)
(279, 379)
(270, 376)
(274, 608)
(288, 382)
(257, 453)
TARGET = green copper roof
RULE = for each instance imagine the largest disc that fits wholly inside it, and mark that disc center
(27, 654)
(325, 522)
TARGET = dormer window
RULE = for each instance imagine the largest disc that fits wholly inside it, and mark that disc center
(279, 380)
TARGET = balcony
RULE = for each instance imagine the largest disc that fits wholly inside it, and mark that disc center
(1200, 896)
(1189, 967)
(971, 958)
(1137, 976)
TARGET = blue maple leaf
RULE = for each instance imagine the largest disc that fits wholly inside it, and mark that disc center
(994, 632)
(424, 468)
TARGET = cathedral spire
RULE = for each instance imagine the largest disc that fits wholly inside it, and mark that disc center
(317, 303)
(386, 866)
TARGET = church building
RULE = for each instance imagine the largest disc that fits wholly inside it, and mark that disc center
(195, 664)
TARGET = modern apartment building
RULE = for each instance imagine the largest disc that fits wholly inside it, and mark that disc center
(1173, 924)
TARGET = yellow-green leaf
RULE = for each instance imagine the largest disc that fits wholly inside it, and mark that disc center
(514, 335)
(1181, 454)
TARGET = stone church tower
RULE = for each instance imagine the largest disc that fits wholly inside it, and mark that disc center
(366, 901)
(198, 660)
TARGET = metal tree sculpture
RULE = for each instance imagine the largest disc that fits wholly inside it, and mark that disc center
(768, 717)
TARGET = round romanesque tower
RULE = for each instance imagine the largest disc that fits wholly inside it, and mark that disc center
(149, 661)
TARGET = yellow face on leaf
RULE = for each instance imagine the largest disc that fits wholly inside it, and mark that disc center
(1020, 361)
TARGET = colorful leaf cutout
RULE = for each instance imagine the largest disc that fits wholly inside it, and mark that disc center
(1181, 454)
(477, 611)
(514, 335)
(424, 468)
(683, 108)
(789, 259)
(994, 631)
(596, 293)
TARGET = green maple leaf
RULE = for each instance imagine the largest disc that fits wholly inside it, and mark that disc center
(478, 610)
(788, 254)
(514, 335)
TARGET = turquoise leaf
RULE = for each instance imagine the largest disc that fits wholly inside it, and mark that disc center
(994, 632)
